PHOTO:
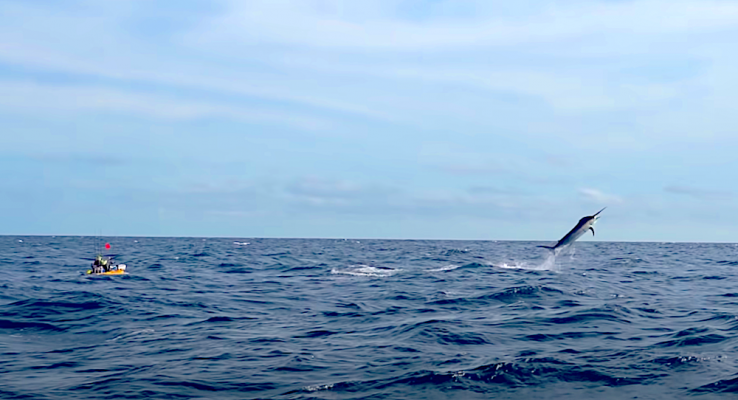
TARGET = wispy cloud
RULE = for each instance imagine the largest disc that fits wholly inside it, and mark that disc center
(343, 28)
(32, 97)
(558, 161)
(87, 159)
(325, 192)
(698, 193)
(474, 169)
(597, 196)
(334, 198)
(495, 190)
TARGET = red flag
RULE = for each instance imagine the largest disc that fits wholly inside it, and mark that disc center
(107, 246)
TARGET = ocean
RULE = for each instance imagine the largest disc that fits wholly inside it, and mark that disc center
(245, 318)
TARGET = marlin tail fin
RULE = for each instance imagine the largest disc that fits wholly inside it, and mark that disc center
(548, 247)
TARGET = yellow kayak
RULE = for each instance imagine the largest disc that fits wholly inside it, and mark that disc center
(120, 270)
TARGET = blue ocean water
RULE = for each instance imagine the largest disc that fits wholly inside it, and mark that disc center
(367, 319)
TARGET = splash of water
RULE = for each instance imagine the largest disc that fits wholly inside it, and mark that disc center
(548, 264)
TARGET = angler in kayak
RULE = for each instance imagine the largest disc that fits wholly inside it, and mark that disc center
(101, 264)
(105, 266)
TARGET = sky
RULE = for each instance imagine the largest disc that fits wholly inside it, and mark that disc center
(413, 119)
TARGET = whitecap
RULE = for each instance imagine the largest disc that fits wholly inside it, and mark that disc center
(365, 270)
(449, 267)
(458, 374)
(315, 388)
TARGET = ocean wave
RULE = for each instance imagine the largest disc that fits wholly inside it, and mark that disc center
(441, 331)
(221, 319)
(307, 268)
(507, 295)
(490, 379)
(721, 386)
(131, 335)
(454, 252)
(25, 326)
(617, 314)
(686, 362)
(321, 319)
(543, 337)
(693, 337)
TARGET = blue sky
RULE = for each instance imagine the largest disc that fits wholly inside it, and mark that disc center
(426, 119)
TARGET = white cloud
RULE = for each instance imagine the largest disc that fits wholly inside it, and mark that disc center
(315, 191)
(344, 27)
(597, 196)
(371, 60)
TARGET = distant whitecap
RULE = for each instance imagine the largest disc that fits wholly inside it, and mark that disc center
(449, 267)
(365, 270)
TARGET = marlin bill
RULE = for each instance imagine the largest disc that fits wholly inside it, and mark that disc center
(585, 224)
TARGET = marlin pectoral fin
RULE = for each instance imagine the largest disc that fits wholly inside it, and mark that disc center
(593, 230)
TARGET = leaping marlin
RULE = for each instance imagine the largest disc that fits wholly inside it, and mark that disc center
(585, 224)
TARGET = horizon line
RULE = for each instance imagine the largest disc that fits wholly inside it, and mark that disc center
(356, 238)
